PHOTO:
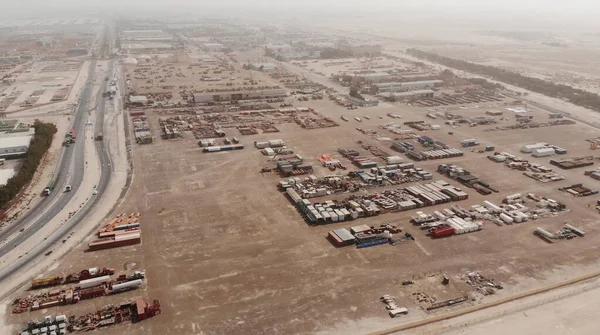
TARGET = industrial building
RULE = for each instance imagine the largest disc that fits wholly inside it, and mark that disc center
(14, 145)
(264, 67)
(361, 103)
(215, 47)
(375, 77)
(145, 47)
(138, 100)
(357, 50)
(145, 35)
(405, 86)
(411, 95)
(239, 95)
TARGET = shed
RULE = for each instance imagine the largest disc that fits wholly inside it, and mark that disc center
(345, 235)
(138, 100)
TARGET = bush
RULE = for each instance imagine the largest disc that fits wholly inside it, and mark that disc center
(40, 144)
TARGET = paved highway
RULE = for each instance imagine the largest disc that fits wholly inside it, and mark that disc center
(63, 175)
(72, 157)
(70, 171)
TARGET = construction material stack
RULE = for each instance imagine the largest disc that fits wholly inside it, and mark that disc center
(85, 289)
(121, 231)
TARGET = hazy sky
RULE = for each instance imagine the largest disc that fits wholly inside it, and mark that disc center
(329, 5)
(510, 12)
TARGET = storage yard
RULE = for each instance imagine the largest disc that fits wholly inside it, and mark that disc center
(207, 201)
(264, 214)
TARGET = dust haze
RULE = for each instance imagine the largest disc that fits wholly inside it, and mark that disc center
(299, 167)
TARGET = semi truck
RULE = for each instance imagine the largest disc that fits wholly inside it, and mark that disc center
(49, 188)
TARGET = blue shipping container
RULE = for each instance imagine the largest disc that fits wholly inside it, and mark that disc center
(372, 243)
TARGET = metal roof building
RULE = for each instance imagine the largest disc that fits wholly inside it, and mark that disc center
(14, 145)
(407, 86)
(396, 96)
(138, 100)
(240, 95)
(375, 77)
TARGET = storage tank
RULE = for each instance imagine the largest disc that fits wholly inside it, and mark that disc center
(276, 143)
(126, 285)
(542, 232)
(93, 282)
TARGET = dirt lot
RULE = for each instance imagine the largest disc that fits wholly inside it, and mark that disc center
(225, 252)
(40, 84)
(178, 74)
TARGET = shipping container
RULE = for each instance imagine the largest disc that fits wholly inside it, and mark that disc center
(441, 231)
(116, 241)
(543, 152)
(531, 147)
(372, 243)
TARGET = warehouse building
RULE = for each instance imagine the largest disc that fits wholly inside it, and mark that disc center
(405, 86)
(14, 145)
(360, 102)
(146, 47)
(357, 50)
(145, 35)
(272, 93)
(138, 100)
(215, 47)
(375, 77)
(264, 67)
(411, 95)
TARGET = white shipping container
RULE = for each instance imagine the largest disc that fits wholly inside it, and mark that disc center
(340, 214)
(394, 159)
(491, 207)
(261, 145)
(543, 152)
(506, 218)
(531, 147)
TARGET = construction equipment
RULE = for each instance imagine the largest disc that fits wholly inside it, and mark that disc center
(46, 281)
(88, 274)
